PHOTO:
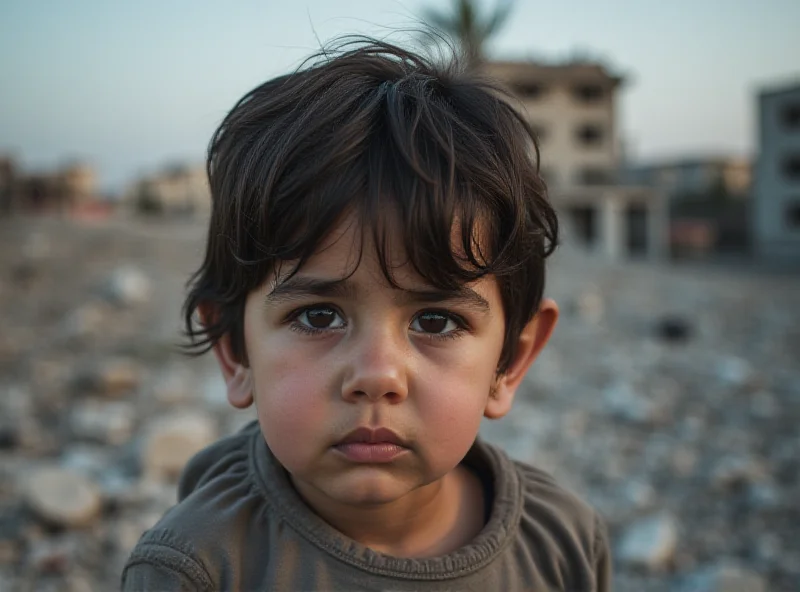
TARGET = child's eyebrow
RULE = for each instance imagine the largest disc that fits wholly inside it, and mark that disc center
(463, 295)
(299, 287)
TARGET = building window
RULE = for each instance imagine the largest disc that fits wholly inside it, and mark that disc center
(792, 215)
(584, 223)
(595, 176)
(529, 90)
(590, 134)
(636, 228)
(791, 167)
(588, 93)
(790, 116)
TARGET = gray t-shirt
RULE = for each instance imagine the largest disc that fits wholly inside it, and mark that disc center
(240, 525)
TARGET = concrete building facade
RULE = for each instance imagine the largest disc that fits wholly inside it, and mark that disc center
(777, 181)
(572, 109)
(175, 191)
(687, 177)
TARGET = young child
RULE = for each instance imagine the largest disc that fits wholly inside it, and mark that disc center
(373, 285)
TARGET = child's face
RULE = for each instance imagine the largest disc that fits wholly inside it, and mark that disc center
(331, 352)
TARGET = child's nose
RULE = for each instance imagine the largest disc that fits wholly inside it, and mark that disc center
(376, 369)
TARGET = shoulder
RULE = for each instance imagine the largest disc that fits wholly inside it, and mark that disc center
(562, 529)
(226, 456)
(203, 533)
(162, 560)
(543, 496)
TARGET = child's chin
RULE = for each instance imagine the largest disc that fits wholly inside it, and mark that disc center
(369, 490)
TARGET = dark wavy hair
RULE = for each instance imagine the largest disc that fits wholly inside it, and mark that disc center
(369, 128)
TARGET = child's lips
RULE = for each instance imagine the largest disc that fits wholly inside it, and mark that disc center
(368, 445)
(368, 452)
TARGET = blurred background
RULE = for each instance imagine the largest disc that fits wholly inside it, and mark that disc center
(670, 139)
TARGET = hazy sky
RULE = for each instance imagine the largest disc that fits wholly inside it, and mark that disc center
(129, 86)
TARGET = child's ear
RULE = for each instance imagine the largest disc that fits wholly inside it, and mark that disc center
(533, 338)
(238, 378)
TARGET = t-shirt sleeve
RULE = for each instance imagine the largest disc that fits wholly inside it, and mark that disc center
(143, 577)
(602, 557)
(156, 564)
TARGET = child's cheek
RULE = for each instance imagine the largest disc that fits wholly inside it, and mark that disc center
(291, 394)
(450, 412)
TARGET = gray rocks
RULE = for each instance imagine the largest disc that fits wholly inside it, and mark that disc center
(649, 543)
(700, 420)
(62, 497)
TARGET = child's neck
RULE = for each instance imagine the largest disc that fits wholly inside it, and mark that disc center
(433, 520)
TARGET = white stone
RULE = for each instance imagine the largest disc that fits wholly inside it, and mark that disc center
(640, 493)
(63, 497)
(171, 441)
(118, 487)
(649, 543)
(734, 370)
(765, 495)
(127, 286)
(88, 460)
(108, 422)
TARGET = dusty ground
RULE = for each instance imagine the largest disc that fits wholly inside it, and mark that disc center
(689, 447)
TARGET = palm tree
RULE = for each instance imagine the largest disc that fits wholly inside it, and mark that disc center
(467, 27)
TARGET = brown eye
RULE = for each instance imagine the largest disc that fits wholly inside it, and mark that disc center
(433, 322)
(321, 318)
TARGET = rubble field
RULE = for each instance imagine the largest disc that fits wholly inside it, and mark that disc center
(669, 398)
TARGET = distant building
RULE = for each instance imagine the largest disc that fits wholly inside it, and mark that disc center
(178, 190)
(572, 109)
(777, 179)
(79, 182)
(695, 177)
(709, 205)
(63, 190)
